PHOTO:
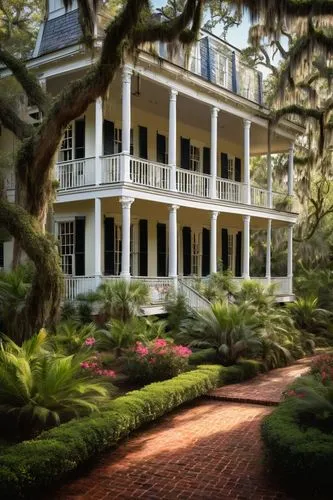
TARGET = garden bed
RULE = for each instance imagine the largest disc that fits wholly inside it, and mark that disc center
(32, 465)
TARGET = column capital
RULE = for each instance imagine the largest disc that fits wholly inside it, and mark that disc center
(291, 147)
(247, 123)
(126, 202)
(214, 214)
(214, 111)
(127, 73)
(173, 208)
(246, 218)
(173, 94)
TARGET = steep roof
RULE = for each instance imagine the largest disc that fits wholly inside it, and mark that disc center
(60, 32)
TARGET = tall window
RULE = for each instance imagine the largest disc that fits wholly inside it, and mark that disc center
(118, 138)
(66, 244)
(195, 265)
(66, 148)
(230, 250)
(2, 263)
(194, 158)
(221, 69)
(117, 249)
(231, 169)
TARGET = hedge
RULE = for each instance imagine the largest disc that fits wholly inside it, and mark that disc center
(33, 465)
(303, 457)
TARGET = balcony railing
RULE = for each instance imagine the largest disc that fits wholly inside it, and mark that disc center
(80, 173)
(76, 173)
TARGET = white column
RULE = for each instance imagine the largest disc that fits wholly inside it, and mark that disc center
(98, 139)
(213, 150)
(290, 258)
(98, 240)
(126, 236)
(291, 171)
(268, 250)
(173, 241)
(172, 145)
(213, 242)
(246, 247)
(269, 170)
(247, 183)
(126, 122)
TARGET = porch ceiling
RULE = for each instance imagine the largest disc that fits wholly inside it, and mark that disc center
(154, 98)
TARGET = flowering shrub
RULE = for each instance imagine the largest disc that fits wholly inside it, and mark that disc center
(323, 367)
(90, 341)
(94, 366)
(159, 359)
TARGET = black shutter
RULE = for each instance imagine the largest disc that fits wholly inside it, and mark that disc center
(206, 160)
(185, 153)
(80, 138)
(204, 56)
(187, 253)
(109, 246)
(238, 270)
(143, 142)
(238, 169)
(108, 137)
(225, 249)
(80, 223)
(205, 263)
(143, 247)
(160, 148)
(2, 264)
(224, 166)
(161, 249)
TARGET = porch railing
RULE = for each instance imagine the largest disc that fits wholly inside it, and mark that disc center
(228, 190)
(77, 285)
(110, 169)
(194, 298)
(259, 197)
(76, 173)
(193, 183)
(159, 287)
(150, 174)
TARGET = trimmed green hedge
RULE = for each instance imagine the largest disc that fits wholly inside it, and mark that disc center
(303, 457)
(33, 465)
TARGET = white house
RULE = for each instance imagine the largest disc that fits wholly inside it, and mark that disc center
(154, 180)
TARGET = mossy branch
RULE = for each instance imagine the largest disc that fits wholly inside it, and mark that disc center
(10, 120)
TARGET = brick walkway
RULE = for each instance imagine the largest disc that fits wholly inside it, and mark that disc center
(210, 449)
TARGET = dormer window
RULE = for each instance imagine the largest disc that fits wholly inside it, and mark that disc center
(56, 8)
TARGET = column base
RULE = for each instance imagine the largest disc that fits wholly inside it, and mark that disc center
(125, 276)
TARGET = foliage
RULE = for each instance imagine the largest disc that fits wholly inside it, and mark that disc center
(323, 366)
(178, 311)
(317, 283)
(121, 299)
(218, 286)
(260, 296)
(33, 465)
(308, 316)
(70, 336)
(121, 335)
(157, 360)
(230, 329)
(39, 389)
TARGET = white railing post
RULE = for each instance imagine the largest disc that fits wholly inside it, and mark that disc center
(290, 258)
(213, 151)
(213, 242)
(98, 139)
(126, 122)
(246, 247)
(269, 170)
(247, 182)
(172, 147)
(268, 250)
(126, 236)
(173, 242)
(98, 240)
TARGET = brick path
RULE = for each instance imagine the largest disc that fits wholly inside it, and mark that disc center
(210, 449)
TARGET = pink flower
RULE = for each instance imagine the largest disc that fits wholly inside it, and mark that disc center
(182, 351)
(160, 343)
(90, 341)
(141, 349)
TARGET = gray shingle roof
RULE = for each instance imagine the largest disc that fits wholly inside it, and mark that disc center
(60, 32)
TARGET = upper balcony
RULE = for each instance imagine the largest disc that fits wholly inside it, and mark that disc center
(83, 173)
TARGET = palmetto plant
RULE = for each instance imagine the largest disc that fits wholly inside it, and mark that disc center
(308, 316)
(122, 299)
(39, 389)
(229, 329)
(262, 297)
(70, 335)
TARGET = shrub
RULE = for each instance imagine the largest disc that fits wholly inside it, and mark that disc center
(203, 356)
(323, 366)
(157, 360)
(70, 336)
(308, 316)
(177, 310)
(39, 390)
(31, 466)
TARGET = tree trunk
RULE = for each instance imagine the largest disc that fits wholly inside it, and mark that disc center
(43, 300)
